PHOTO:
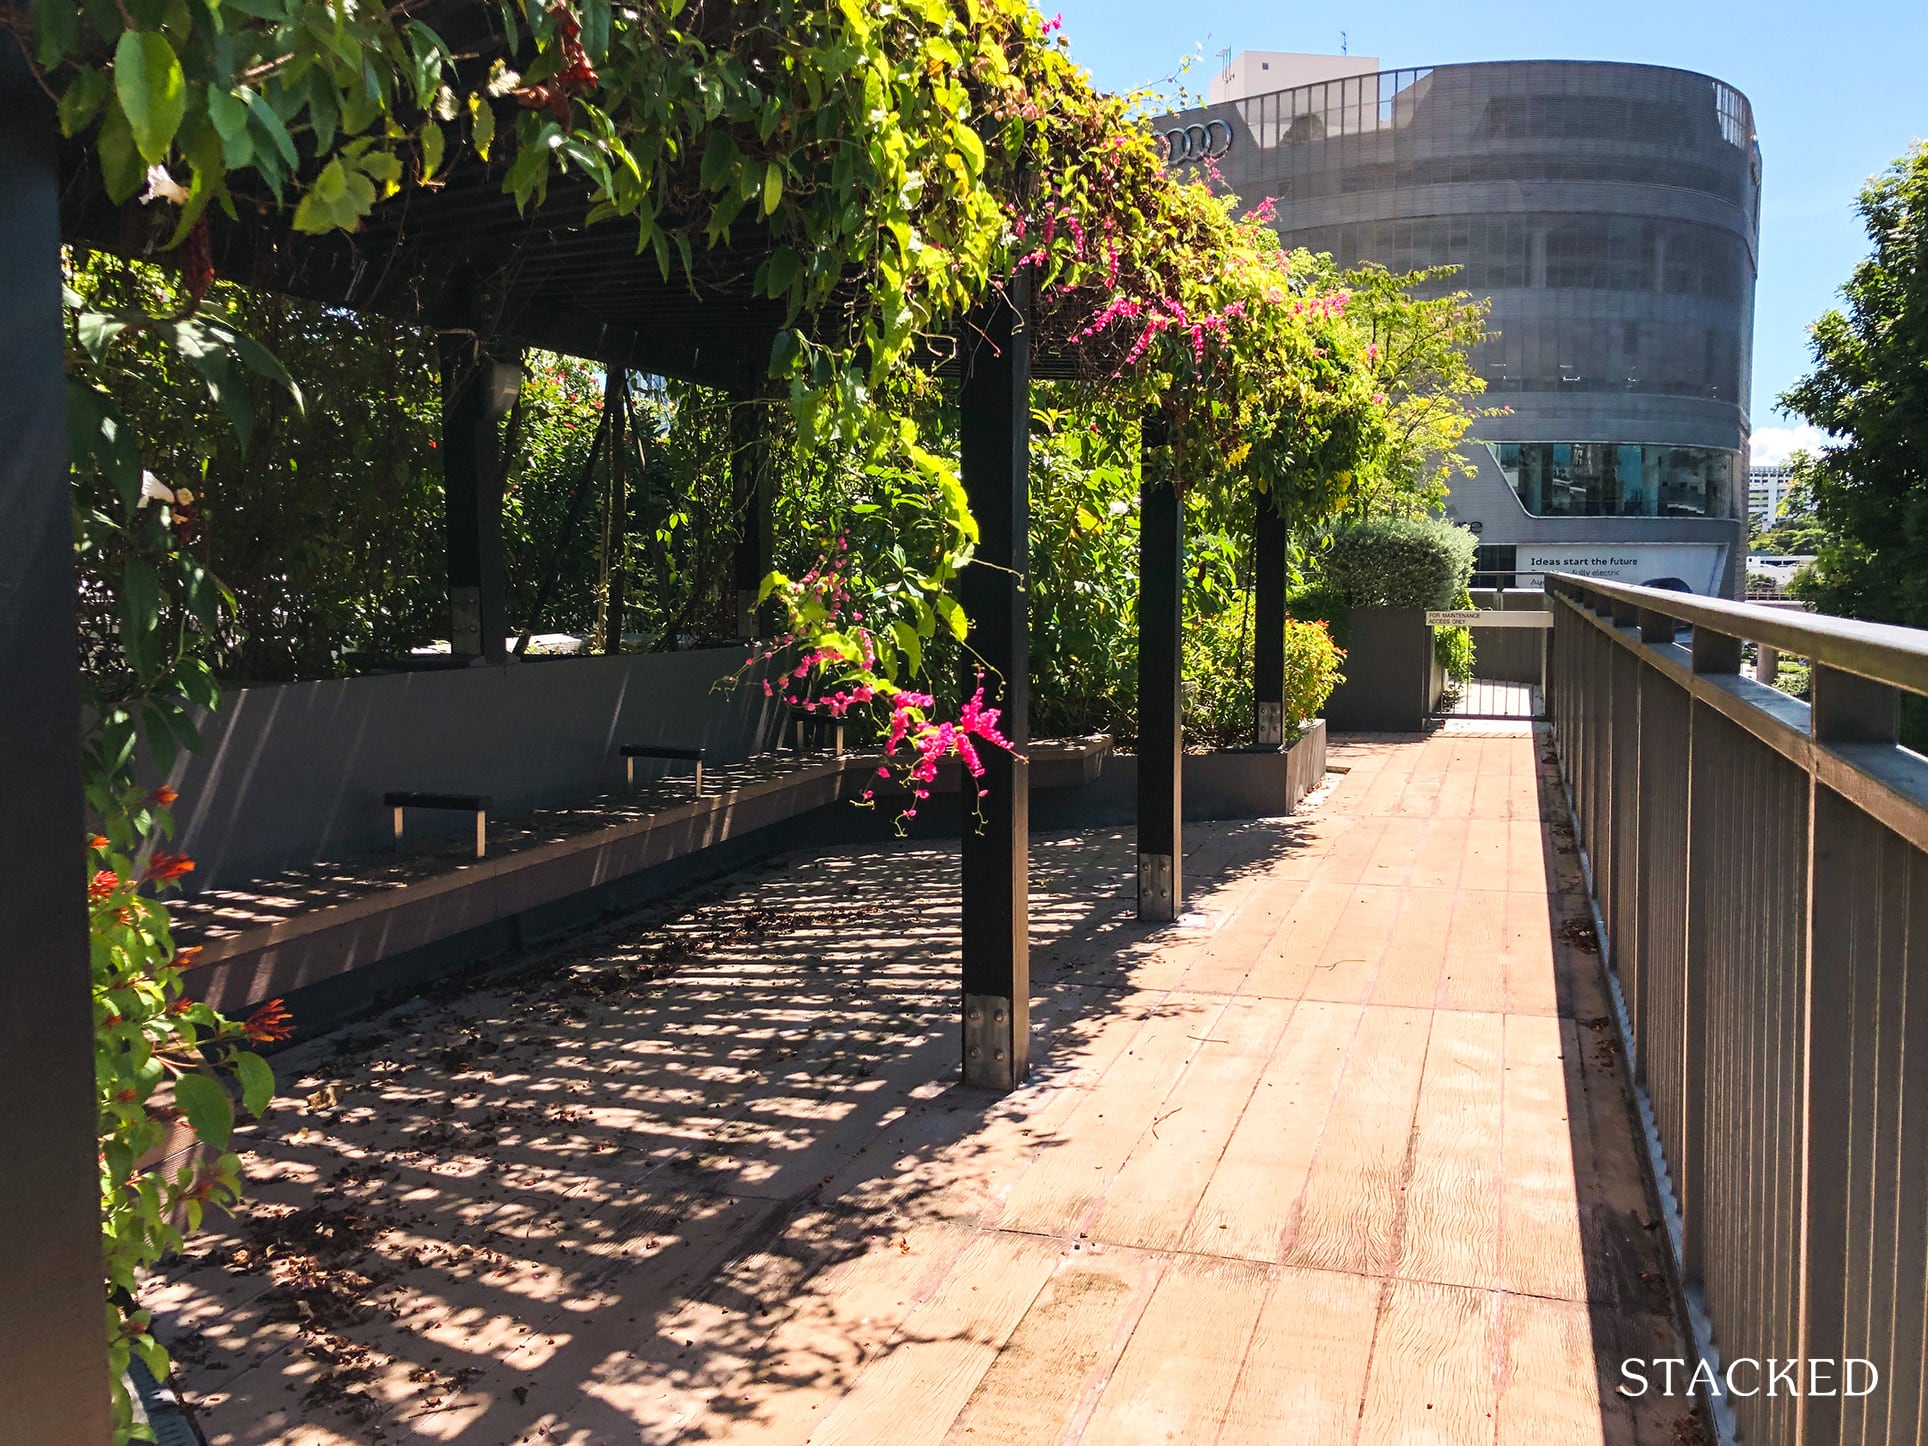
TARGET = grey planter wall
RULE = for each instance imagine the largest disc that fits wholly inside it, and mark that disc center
(290, 774)
(1392, 678)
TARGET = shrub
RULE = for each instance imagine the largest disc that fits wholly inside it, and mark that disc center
(1311, 671)
(1218, 676)
(1400, 562)
(1453, 647)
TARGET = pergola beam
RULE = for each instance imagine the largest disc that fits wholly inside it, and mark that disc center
(1161, 739)
(995, 437)
(53, 1351)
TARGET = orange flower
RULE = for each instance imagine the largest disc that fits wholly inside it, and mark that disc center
(269, 1023)
(163, 796)
(165, 867)
(102, 886)
(98, 844)
(185, 958)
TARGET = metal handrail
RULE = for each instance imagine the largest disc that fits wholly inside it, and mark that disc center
(1882, 652)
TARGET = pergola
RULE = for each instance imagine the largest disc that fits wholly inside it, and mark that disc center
(489, 279)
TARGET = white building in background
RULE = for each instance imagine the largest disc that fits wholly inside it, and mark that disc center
(1257, 72)
(1767, 487)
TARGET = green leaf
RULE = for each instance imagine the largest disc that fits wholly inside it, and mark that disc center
(433, 143)
(481, 125)
(209, 1111)
(120, 162)
(772, 186)
(82, 101)
(908, 643)
(953, 616)
(257, 1082)
(152, 91)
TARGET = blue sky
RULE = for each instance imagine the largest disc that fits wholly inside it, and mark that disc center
(1837, 89)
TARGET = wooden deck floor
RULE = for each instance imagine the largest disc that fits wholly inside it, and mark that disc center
(1343, 1157)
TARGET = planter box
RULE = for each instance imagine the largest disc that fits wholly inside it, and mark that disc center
(1392, 679)
(1229, 785)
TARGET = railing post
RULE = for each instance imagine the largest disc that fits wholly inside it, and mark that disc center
(1160, 729)
(53, 1351)
(995, 433)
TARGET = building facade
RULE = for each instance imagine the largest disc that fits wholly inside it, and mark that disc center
(1611, 212)
(1767, 486)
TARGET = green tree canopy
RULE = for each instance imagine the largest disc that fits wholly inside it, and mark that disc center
(1869, 390)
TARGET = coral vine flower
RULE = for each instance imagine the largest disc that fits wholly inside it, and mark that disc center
(165, 867)
(269, 1024)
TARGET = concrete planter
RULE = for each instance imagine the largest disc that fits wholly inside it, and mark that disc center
(1229, 785)
(1392, 679)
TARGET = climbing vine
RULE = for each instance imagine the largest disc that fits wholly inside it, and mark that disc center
(889, 165)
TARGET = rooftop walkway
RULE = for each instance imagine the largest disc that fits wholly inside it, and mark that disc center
(1342, 1157)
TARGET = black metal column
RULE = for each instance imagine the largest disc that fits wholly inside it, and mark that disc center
(53, 1350)
(995, 429)
(472, 479)
(754, 487)
(617, 531)
(1268, 626)
(1161, 590)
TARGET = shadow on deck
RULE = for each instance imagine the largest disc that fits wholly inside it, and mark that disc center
(1343, 1156)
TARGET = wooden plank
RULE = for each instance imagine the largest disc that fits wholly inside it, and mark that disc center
(1176, 1377)
(1415, 953)
(1353, 1197)
(1433, 1368)
(1442, 854)
(1305, 1371)
(1048, 1377)
(1150, 1203)
(1474, 977)
(916, 1390)
(1348, 964)
(1540, 1239)
(1286, 963)
(1221, 966)
(1551, 1389)
(1487, 842)
(1074, 1168)
(1451, 1231)
(1253, 1194)
(1529, 973)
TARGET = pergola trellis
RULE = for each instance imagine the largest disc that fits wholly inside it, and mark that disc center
(463, 260)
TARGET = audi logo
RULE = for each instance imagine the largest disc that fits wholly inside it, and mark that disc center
(1199, 141)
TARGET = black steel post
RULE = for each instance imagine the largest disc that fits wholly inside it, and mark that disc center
(615, 387)
(53, 1352)
(754, 488)
(472, 480)
(1268, 626)
(1161, 740)
(995, 432)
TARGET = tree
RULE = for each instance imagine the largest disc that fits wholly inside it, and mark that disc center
(1869, 390)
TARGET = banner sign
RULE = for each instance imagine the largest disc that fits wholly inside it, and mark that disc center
(1698, 564)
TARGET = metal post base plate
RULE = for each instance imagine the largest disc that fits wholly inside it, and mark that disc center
(1157, 888)
(1271, 725)
(994, 1058)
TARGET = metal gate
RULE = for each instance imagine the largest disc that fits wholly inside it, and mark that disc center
(1509, 665)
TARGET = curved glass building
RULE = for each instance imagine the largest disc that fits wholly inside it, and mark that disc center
(1611, 212)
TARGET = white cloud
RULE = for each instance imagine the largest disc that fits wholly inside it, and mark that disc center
(1775, 444)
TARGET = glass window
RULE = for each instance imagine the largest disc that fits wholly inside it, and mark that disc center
(1607, 479)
